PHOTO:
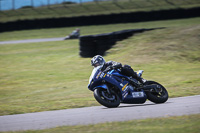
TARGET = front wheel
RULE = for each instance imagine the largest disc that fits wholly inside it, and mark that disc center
(157, 95)
(109, 100)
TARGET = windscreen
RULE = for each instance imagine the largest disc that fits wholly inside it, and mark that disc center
(94, 71)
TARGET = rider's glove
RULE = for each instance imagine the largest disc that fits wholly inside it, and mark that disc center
(108, 69)
(117, 65)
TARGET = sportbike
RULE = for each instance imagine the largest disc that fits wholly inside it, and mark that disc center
(112, 88)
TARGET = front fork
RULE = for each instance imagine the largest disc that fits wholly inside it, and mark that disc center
(108, 90)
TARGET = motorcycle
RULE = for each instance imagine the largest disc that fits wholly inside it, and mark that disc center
(112, 88)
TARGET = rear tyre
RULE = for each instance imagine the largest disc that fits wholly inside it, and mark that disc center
(160, 96)
(104, 98)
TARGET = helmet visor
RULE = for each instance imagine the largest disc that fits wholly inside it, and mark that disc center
(96, 65)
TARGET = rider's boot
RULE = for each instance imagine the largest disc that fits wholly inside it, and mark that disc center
(140, 79)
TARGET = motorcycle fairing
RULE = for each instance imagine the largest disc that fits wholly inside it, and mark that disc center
(111, 77)
(127, 95)
(104, 86)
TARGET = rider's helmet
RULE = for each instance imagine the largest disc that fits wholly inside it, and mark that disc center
(97, 60)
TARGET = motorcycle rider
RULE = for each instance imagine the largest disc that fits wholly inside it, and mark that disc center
(98, 60)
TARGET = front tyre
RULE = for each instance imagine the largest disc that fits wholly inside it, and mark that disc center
(104, 98)
(158, 95)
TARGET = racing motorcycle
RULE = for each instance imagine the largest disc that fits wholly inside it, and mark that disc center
(112, 88)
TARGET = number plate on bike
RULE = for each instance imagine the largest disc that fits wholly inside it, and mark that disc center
(137, 94)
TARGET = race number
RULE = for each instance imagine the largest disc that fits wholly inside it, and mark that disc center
(137, 94)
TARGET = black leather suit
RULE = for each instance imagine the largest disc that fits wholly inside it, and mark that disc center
(125, 70)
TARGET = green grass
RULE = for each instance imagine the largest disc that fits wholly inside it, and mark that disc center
(92, 8)
(51, 75)
(36, 74)
(179, 124)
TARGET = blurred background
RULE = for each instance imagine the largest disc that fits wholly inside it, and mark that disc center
(16, 4)
(44, 76)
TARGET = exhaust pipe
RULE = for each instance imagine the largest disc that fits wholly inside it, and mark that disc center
(148, 87)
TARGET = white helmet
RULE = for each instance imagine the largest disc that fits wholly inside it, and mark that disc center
(97, 60)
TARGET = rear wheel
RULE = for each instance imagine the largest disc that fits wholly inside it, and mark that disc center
(157, 95)
(111, 100)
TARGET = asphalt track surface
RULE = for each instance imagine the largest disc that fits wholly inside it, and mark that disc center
(32, 40)
(100, 114)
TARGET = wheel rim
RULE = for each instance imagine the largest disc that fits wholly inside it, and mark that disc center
(107, 97)
(159, 93)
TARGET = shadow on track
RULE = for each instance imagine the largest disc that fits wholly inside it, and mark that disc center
(134, 105)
